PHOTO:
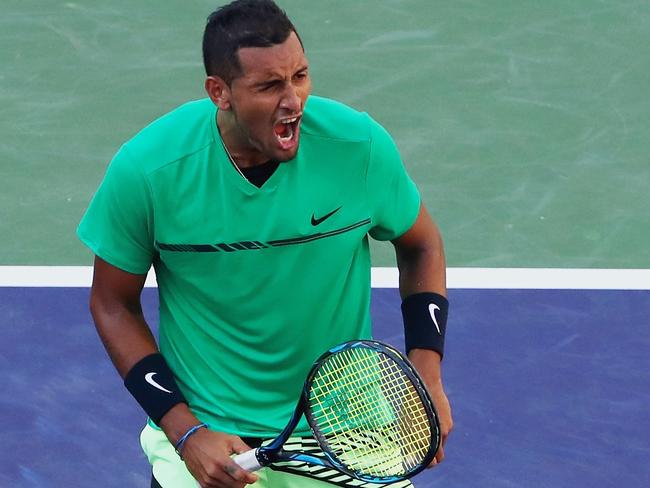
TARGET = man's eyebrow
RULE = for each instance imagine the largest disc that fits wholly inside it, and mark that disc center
(272, 78)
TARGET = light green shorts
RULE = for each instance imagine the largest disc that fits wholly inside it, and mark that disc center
(170, 471)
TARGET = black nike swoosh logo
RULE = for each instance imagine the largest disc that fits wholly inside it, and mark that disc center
(315, 221)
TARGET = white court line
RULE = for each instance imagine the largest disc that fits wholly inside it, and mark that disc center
(532, 278)
(53, 276)
(482, 278)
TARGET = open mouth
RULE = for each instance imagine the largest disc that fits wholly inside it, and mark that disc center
(286, 131)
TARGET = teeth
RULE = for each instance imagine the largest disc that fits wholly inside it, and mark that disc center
(290, 121)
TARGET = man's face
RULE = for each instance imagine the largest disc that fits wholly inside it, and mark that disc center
(268, 98)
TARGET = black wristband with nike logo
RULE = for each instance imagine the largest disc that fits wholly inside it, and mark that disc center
(152, 384)
(425, 321)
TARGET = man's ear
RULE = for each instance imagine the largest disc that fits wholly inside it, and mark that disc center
(218, 91)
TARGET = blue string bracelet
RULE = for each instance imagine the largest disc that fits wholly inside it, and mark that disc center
(181, 442)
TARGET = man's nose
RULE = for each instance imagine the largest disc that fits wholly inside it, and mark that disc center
(291, 99)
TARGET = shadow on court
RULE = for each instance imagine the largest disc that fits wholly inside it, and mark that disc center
(549, 389)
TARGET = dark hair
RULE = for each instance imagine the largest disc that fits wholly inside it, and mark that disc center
(242, 23)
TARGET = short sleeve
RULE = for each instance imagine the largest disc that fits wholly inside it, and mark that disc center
(118, 224)
(394, 198)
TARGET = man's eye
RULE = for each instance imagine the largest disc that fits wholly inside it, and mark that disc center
(268, 86)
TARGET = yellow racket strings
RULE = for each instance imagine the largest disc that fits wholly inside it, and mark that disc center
(370, 413)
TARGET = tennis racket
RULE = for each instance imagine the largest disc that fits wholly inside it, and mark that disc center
(369, 412)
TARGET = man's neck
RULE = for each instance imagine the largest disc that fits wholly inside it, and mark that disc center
(237, 145)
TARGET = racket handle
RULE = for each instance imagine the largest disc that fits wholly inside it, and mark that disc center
(248, 460)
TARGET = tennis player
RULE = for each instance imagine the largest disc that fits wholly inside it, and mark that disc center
(254, 206)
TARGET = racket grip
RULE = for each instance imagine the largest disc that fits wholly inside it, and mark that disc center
(248, 460)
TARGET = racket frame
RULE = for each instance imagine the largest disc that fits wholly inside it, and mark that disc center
(273, 452)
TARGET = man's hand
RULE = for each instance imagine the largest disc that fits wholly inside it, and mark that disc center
(427, 364)
(207, 453)
(443, 408)
(207, 457)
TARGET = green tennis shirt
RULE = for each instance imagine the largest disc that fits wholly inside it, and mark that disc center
(254, 283)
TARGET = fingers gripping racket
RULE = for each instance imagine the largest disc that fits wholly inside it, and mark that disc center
(369, 412)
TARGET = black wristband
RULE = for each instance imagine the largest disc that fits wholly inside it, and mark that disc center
(152, 384)
(425, 321)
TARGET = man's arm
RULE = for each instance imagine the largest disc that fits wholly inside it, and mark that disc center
(422, 268)
(117, 311)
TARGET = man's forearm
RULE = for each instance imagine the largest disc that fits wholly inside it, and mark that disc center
(126, 336)
(421, 258)
(422, 270)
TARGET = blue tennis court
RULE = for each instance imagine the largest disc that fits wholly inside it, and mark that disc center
(550, 388)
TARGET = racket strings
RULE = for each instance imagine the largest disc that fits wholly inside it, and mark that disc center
(369, 413)
(378, 440)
